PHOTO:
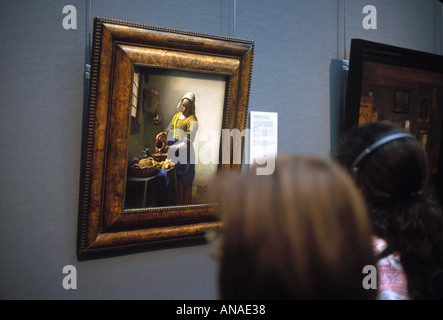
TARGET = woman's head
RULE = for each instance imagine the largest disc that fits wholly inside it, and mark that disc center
(187, 104)
(390, 175)
(394, 170)
(393, 178)
(302, 232)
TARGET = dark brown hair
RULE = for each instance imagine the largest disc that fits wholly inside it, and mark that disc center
(393, 179)
(299, 233)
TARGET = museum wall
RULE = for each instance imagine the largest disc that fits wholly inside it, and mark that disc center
(297, 72)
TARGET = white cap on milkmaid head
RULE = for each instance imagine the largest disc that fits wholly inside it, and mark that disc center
(191, 97)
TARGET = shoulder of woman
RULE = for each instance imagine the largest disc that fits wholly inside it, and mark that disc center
(191, 117)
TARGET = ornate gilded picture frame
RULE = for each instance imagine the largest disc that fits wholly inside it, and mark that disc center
(139, 74)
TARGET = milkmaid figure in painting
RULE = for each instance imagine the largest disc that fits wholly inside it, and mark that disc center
(179, 135)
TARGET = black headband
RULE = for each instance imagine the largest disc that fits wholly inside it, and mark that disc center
(377, 144)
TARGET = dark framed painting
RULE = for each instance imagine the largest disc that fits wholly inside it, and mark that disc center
(401, 103)
(404, 87)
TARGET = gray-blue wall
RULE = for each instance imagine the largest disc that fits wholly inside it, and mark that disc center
(295, 73)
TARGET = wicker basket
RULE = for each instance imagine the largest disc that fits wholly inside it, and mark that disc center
(139, 172)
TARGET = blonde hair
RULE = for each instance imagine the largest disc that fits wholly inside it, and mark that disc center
(302, 232)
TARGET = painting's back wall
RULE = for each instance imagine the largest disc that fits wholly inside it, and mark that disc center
(296, 74)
